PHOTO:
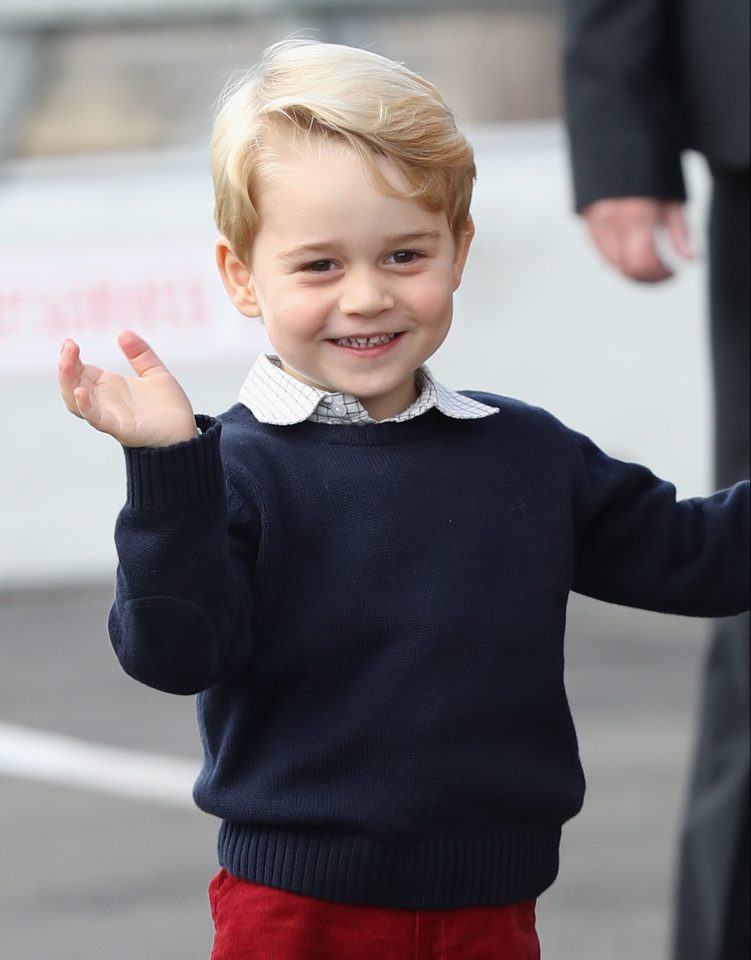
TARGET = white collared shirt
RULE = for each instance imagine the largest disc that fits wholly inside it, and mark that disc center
(274, 396)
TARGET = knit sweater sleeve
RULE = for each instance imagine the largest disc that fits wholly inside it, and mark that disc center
(637, 545)
(624, 108)
(186, 547)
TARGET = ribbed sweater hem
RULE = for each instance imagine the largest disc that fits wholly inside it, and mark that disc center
(506, 866)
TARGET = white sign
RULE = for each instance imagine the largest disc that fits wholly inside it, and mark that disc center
(170, 294)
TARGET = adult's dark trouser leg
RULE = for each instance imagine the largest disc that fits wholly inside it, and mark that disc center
(712, 918)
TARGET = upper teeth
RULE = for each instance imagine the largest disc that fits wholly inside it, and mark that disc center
(365, 341)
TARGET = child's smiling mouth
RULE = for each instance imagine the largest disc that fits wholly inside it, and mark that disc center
(369, 344)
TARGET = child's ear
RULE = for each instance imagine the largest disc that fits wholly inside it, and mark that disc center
(236, 279)
(463, 243)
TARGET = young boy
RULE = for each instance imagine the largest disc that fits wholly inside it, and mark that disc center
(362, 574)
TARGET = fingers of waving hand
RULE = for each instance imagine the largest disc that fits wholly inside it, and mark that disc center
(148, 410)
(72, 375)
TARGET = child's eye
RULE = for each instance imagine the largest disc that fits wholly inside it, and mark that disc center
(319, 266)
(404, 256)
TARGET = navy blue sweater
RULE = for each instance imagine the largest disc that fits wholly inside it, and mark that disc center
(373, 617)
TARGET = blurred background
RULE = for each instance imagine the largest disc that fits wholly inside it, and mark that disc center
(106, 222)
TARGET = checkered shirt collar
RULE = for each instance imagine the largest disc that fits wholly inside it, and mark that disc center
(274, 396)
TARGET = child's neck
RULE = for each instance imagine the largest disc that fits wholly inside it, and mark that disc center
(381, 408)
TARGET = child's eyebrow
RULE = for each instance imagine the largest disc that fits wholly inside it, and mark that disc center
(417, 237)
(325, 246)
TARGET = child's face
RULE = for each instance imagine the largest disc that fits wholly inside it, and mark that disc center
(355, 287)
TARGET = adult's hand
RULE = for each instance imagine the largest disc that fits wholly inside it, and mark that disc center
(147, 410)
(626, 231)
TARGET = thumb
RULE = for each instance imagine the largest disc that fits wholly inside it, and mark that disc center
(139, 354)
(678, 230)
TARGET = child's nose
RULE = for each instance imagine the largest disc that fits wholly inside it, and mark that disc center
(365, 294)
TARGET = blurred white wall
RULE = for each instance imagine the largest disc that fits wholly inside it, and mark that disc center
(538, 317)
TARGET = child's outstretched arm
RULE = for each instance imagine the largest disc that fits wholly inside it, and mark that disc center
(148, 410)
(639, 546)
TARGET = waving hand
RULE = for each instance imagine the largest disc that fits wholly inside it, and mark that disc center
(149, 409)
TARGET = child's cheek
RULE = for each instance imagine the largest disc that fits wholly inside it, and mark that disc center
(433, 296)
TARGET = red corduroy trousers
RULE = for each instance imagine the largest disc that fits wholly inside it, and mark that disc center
(254, 922)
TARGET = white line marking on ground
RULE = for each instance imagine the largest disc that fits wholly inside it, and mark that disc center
(53, 758)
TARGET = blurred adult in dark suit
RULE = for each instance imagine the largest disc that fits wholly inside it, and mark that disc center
(644, 81)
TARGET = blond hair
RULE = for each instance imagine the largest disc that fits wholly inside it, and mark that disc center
(377, 107)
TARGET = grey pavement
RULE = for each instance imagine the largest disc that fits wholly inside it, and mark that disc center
(89, 876)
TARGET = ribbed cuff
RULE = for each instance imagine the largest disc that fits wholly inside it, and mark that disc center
(181, 475)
